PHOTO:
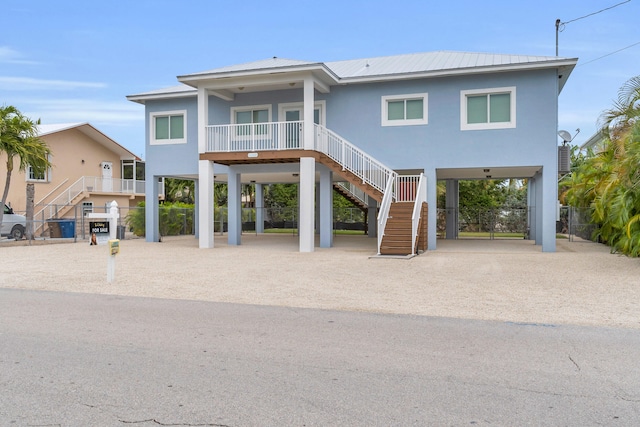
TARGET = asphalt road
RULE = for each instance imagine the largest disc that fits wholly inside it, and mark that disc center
(94, 360)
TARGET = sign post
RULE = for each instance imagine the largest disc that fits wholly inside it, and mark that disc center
(105, 232)
(114, 249)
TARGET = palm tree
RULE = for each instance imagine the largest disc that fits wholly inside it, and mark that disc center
(19, 139)
(618, 120)
(608, 181)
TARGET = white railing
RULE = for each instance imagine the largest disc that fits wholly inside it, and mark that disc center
(91, 184)
(39, 202)
(355, 192)
(351, 158)
(383, 213)
(420, 197)
(255, 137)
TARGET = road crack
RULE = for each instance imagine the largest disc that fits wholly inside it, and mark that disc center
(153, 420)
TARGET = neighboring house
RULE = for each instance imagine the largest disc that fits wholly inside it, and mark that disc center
(89, 170)
(594, 142)
(390, 126)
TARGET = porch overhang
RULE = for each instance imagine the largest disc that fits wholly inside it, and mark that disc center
(227, 84)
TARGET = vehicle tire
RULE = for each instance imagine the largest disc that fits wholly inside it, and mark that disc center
(17, 232)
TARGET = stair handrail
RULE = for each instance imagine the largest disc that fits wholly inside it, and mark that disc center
(351, 158)
(51, 192)
(65, 198)
(354, 191)
(385, 206)
(420, 197)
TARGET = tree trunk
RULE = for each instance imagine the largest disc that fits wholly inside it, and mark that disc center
(31, 191)
(6, 187)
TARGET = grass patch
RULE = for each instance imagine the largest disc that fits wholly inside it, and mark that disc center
(487, 235)
(293, 231)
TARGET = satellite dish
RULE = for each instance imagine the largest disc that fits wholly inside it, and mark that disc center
(566, 136)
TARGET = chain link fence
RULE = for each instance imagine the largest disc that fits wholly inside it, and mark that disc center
(173, 221)
(489, 223)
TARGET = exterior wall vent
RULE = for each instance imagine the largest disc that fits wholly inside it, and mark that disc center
(564, 159)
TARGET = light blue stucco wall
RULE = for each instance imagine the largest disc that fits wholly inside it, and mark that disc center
(355, 113)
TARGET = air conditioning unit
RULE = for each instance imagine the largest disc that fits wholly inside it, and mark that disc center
(564, 159)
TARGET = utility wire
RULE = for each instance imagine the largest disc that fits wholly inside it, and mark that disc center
(595, 13)
(608, 54)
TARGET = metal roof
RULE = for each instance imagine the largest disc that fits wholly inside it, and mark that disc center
(429, 62)
(406, 66)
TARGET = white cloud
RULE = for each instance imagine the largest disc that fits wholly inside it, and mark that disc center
(28, 83)
(11, 56)
(96, 112)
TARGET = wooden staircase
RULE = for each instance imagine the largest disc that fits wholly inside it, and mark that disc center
(350, 197)
(397, 234)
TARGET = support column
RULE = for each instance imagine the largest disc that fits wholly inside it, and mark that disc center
(372, 217)
(325, 206)
(531, 206)
(432, 201)
(306, 200)
(196, 207)
(317, 207)
(308, 113)
(549, 199)
(205, 204)
(234, 206)
(203, 119)
(452, 205)
(151, 216)
(259, 208)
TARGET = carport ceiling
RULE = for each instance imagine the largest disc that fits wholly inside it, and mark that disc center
(487, 172)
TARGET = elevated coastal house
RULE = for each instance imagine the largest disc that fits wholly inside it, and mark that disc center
(89, 170)
(389, 126)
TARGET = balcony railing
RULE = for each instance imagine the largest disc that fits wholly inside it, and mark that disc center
(255, 137)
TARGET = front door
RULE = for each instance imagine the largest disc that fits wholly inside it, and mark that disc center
(293, 133)
(107, 177)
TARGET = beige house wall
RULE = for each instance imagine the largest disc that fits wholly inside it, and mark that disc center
(74, 155)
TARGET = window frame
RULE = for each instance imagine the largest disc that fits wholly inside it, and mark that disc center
(464, 94)
(29, 171)
(405, 97)
(250, 108)
(168, 141)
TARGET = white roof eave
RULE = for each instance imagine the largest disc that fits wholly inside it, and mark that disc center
(461, 71)
(194, 79)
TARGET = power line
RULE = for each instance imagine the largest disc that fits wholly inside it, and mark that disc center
(560, 25)
(609, 54)
(595, 13)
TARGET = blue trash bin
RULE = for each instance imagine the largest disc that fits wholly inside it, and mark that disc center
(67, 228)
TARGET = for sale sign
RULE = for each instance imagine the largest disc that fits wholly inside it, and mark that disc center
(99, 231)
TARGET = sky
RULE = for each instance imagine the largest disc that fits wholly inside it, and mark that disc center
(70, 61)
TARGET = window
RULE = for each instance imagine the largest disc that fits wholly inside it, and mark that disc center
(251, 115)
(404, 110)
(169, 127)
(38, 177)
(488, 108)
(87, 207)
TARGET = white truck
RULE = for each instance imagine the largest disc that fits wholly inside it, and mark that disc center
(13, 225)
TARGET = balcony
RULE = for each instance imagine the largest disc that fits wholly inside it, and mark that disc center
(255, 137)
